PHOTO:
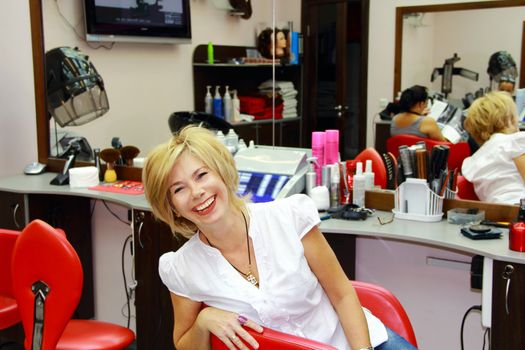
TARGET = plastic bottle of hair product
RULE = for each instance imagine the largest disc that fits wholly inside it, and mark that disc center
(334, 186)
(208, 101)
(227, 102)
(211, 59)
(369, 176)
(236, 107)
(318, 152)
(221, 137)
(331, 148)
(232, 140)
(217, 103)
(358, 197)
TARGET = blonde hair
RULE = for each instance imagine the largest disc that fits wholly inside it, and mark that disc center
(202, 144)
(493, 113)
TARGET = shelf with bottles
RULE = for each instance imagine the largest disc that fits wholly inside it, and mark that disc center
(246, 79)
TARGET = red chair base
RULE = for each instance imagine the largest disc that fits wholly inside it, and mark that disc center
(94, 335)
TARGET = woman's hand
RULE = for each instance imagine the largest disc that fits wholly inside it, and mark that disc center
(227, 327)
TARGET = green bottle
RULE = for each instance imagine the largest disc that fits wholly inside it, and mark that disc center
(210, 53)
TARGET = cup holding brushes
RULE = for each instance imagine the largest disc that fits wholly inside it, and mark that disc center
(110, 156)
(128, 153)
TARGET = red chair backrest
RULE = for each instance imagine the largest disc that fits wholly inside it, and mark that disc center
(9, 315)
(271, 339)
(43, 253)
(466, 189)
(378, 166)
(385, 306)
(381, 302)
(458, 151)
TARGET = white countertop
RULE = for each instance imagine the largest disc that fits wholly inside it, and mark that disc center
(39, 184)
(440, 234)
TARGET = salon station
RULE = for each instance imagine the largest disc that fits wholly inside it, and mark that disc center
(301, 92)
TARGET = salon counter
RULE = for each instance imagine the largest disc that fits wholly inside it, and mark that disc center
(25, 198)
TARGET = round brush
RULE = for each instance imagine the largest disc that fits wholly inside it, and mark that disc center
(129, 153)
(110, 156)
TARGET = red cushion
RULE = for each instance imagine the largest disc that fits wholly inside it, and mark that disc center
(9, 315)
(458, 151)
(94, 335)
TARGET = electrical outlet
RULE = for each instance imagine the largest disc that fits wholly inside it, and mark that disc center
(383, 102)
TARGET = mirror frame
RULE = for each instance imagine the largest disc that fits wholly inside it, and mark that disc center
(401, 11)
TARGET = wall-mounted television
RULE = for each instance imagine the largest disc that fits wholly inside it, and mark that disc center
(151, 21)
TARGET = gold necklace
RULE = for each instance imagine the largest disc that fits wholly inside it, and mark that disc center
(249, 276)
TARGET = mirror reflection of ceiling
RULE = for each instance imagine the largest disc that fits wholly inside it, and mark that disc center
(430, 38)
(147, 82)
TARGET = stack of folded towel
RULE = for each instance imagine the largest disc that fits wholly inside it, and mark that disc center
(288, 94)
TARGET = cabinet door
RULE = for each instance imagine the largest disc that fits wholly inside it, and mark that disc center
(12, 211)
(508, 306)
(154, 312)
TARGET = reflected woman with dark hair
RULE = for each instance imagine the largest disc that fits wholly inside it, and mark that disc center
(266, 40)
(413, 119)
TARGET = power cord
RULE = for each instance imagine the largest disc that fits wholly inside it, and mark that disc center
(472, 308)
(486, 335)
(74, 28)
(128, 293)
(115, 215)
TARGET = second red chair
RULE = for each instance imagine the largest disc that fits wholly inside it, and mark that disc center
(458, 151)
(47, 284)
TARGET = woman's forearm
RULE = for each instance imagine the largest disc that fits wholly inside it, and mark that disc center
(195, 338)
(353, 320)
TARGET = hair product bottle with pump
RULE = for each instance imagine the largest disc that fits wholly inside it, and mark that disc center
(369, 176)
(236, 108)
(358, 197)
(208, 101)
(227, 102)
(217, 103)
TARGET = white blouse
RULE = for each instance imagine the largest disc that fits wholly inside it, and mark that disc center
(492, 169)
(289, 297)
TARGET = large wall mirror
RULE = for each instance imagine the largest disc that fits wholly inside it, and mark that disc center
(428, 35)
(145, 83)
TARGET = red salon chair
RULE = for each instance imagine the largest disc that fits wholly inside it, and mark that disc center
(458, 151)
(385, 306)
(9, 315)
(378, 166)
(466, 189)
(382, 303)
(47, 284)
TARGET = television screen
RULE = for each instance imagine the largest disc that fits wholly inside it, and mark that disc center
(156, 21)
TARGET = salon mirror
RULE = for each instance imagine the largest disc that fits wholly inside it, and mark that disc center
(428, 35)
(145, 82)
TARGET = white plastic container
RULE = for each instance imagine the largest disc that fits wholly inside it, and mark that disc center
(358, 194)
(415, 201)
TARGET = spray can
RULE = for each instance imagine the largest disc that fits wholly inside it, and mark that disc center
(311, 177)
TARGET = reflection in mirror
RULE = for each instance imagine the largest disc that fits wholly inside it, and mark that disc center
(428, 35)
(430, 38)
(145, 83)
